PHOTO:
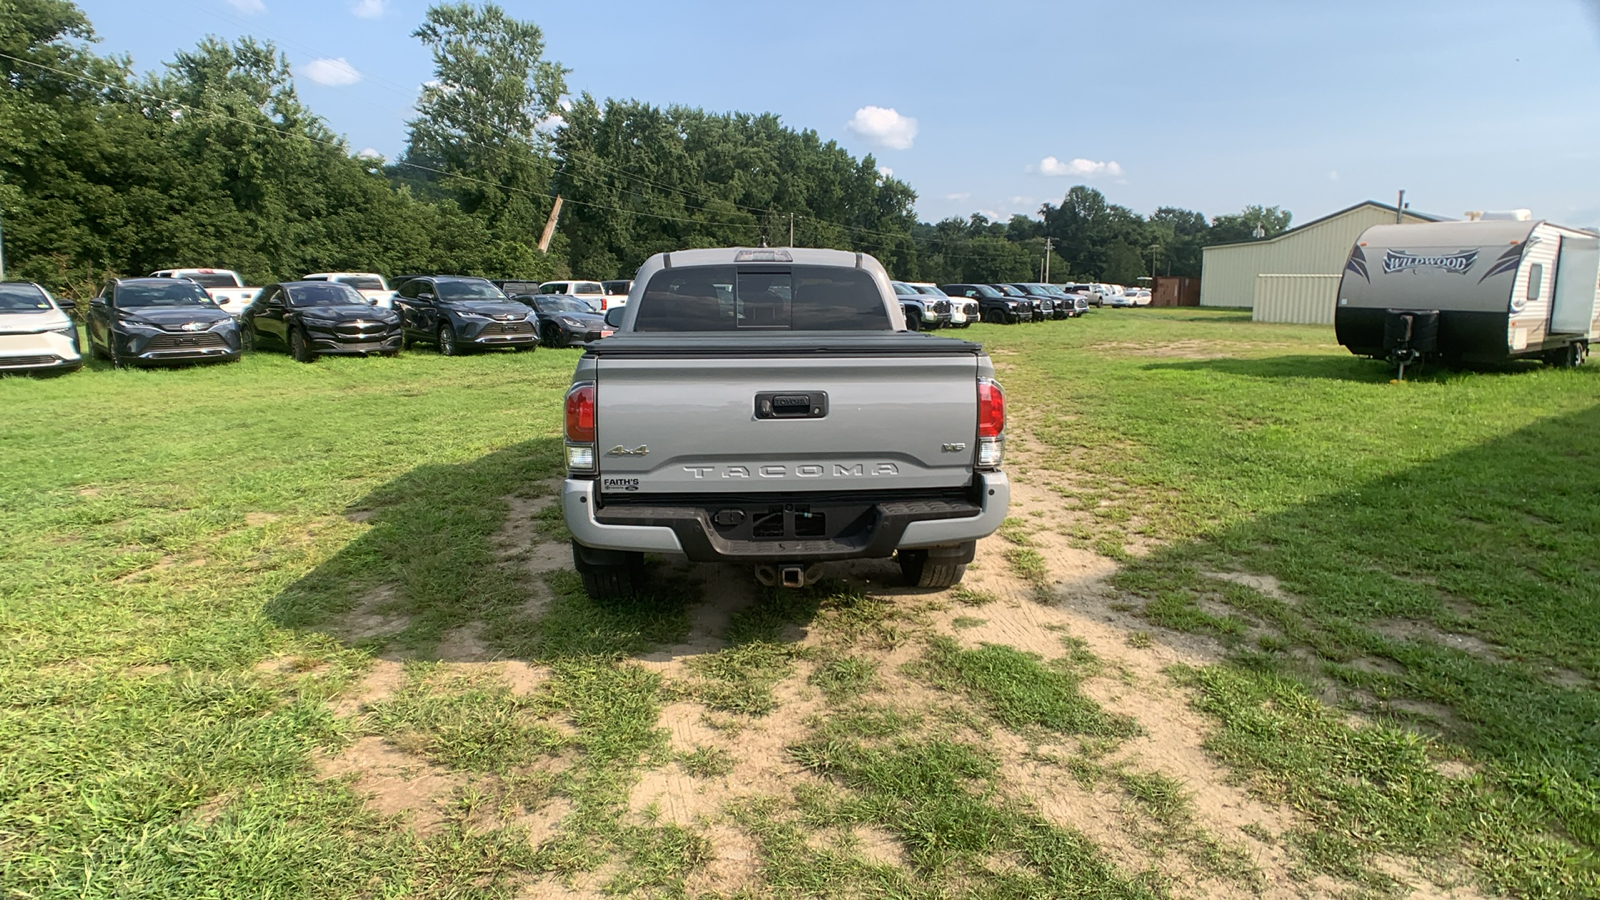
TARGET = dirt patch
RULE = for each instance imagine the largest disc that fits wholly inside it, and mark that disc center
(394, 783)
(523, 678)
(380, 683)
(360, 516)
(373, 616)
(727, 588)
(1569, 679)
(1264, 584)
(1426, 632)
(1377, 665)
(734, 866)
(257, 519)
(464, 644)
(1185, 349)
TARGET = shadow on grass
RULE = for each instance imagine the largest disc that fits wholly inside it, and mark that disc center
(1340, 368)
(441, 555)
(1461, 597)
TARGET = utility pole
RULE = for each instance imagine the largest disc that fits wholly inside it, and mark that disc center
(1049, 245)
(550, 226)
(2, 252)
(1400, 208)
(791, 229)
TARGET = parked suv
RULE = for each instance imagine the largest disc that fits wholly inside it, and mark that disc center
(147, 321)
(457, 314)
(36, 334)
(993, 306)
(311, 318)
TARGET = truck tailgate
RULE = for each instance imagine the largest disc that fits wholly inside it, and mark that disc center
(785, 418)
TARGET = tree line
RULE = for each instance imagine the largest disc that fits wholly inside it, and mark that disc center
(215, 160)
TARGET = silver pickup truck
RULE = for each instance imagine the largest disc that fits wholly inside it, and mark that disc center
(768, 406)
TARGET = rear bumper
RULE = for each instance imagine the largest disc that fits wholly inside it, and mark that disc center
(855, 527)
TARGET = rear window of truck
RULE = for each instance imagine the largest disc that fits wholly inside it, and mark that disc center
(214, 280)
(786, 298)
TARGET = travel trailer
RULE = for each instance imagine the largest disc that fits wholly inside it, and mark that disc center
(1477, 291)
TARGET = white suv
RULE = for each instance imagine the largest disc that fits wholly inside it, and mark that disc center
(36, 334)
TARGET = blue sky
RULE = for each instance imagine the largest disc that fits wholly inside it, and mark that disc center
(1209, 106)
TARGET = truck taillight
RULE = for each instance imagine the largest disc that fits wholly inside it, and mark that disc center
(991, 424)
(602, 304)
(991, 409)
(580, 428)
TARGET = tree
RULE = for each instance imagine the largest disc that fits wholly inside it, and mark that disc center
(1272, 220)
(1182, 233)
(478, 125)
(644, 179)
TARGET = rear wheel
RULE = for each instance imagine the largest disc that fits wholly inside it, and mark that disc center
(936, 567)
(608, 574)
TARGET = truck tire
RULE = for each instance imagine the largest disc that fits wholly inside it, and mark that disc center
(936, 567)
(921, 571)
(608, 574)
(913, 321)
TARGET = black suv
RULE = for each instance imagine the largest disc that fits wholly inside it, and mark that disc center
(311, 318)
(994, 306)
(147, 321)
(458, 314)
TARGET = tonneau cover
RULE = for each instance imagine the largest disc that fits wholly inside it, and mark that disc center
(779, 343)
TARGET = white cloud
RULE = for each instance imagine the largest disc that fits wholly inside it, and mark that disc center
(370, 153)
(884, 127)
(248, 7)
(992, 215)
(370, 9)
(550, 123)
(565, 103)
(963, 195)
(1334, 175)
(331, 72)
(1077, 168)
(885, 171)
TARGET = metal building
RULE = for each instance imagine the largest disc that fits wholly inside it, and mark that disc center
(1293, 277)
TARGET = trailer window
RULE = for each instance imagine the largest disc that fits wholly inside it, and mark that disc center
(789, 298)
(1535, 280)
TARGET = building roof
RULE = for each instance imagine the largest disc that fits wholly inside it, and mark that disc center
(1333, 215)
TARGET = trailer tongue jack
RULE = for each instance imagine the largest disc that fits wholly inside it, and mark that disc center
(1409, 335)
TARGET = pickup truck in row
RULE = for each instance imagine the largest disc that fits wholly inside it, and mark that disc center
(224, 286)
(769, 407)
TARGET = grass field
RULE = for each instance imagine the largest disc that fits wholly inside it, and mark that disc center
(273, 629)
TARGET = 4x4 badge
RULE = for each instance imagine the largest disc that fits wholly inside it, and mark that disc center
(619, 450)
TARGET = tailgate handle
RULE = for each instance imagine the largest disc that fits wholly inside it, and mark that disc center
(791, 404)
